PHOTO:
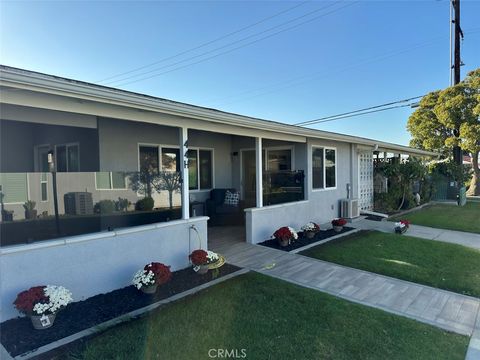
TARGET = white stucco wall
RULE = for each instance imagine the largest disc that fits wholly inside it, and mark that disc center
(96, 263)
(321, 206)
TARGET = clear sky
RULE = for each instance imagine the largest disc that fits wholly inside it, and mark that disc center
(316, 59)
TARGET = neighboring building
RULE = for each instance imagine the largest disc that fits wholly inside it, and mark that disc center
(102, 140)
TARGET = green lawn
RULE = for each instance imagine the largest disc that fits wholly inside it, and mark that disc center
(441, 265)
(272, 319)
(462, 218)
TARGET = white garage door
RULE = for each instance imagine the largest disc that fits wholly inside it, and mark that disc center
(365, 180)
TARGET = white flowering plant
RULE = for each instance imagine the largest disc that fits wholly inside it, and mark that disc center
(311, 227)
(43, 300)
(152, 274)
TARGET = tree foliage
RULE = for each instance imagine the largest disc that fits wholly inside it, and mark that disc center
(450, 117)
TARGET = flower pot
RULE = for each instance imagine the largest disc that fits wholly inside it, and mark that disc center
(30, 214)
(401, 230)
(337, 228)
(150, 289)
(41, 322)
(202, 270)
(310, 234)
(283, 242)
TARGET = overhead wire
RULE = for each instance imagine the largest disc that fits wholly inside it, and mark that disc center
(206, 43)
(236, 48)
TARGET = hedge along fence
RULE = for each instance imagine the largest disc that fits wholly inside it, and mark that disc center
(402, 176)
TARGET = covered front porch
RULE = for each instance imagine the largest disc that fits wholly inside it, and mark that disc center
(65, 174)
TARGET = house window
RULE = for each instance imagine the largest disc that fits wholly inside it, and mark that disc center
(43, 187)
(324, 168)
(205, 169)
(200, 169)
(148, 158)
(68, 157)
(278, 160)
(112, 180)
(330, 178)
(170, 159)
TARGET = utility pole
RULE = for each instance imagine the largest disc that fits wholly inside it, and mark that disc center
(457, 151)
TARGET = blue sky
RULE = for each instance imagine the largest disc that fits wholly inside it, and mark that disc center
(367, 53)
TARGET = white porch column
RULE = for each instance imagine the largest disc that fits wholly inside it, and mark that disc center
(183, 142)
(308, 170)
(259, 171)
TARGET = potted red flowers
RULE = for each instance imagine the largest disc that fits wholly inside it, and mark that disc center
(203, 260)
(151, 276)
(338, 224)
(402, 226)
(285, 236)
(42, 303)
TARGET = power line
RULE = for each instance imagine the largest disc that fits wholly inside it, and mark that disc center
(206, 43)
(359, 112)
(236, 48)
(316, 75)
(224, 46)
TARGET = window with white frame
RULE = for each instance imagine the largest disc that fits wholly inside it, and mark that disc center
(324, 173)
(200, 163)
(67, 157)
(110, 180)
(200, 169)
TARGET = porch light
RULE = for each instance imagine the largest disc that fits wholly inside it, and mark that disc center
(51, 161)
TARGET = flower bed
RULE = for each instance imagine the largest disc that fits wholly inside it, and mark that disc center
(303, 240)
(18, 336)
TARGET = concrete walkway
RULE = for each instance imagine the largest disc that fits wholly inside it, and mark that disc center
(444, 309)
(455, 237)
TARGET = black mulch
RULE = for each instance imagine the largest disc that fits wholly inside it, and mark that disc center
(18, 336)
(375, 218)
(303, 241)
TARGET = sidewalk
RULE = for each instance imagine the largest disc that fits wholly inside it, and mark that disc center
(455, 237)
(444, 309)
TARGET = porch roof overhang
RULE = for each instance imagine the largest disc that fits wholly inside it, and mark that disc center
(28, 88)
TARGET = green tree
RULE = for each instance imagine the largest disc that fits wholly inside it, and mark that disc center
(450, 117)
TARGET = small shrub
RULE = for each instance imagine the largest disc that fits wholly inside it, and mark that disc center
(104, 207)
(145, 204)
(122, 204)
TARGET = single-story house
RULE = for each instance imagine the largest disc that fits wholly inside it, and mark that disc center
(120, 179)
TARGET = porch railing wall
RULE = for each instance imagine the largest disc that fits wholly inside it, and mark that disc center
(87, 202)
(283, 186)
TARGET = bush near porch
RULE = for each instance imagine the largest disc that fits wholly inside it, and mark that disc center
(451, 217)
(441, 265)
(272, 319)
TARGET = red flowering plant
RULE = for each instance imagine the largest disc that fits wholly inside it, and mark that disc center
(405, 223)
(202, 257)
(152, 274)
(198, 257)
(339, 222)
(27, 299)
(42, 300)
(402, 226)
(285, 234)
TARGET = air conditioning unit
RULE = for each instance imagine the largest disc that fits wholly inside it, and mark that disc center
(78, 203)
(349, 208)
